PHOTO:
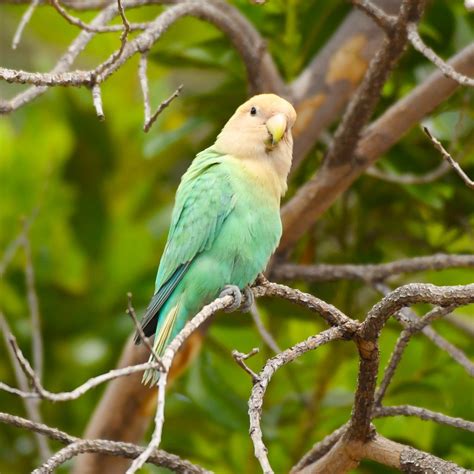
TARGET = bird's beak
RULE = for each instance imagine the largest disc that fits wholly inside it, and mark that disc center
(276, 126)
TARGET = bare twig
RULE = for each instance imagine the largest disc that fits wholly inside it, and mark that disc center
(112, 448)
(407, 316)
(161, 107)
(93, 29)
(97, 101)
(332, 315)
(262, 330)
(385, 21)
(79, 391)
(142, 75)
(401, 344)
(410, 294)
(424, 414)
(17, 242)
(260, 67)
(37, 339)
(437, 144)
(371, 272)
(446, 69)
(265, 375)
(240, 357)
(31, 406)
(464, 324)
(131, 312)
(114, 57)
(169, 354)
(23, 22)
(409, 178)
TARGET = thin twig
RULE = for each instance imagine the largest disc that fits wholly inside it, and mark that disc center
(37, 339)
(102, 446)
(445, 68)
(239, 357)
(114, 57)
(142, 75)
(23, 22)
(83, 388)
(93, 29)
(424, 414)
(385, 21)
(31, 406)
(97, 101)
(409, 178)
(406, 317)
(161, 107)
(449, 159)
(402, 342)
(262, 330)
(169, 354)
(371, 272)
(18, 241)
(131, 312)
(258, 391)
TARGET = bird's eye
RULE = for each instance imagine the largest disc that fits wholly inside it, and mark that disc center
(253, 111)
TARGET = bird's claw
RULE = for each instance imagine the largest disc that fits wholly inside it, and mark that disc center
(246, 306)
(243, 300)
(234, 291)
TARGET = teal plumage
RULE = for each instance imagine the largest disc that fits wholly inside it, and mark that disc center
(224, 227)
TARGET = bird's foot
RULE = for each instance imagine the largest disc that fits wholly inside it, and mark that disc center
(249, 299)
(243, 300)
(234, 291)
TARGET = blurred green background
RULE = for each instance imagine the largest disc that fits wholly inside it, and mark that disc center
(105, 191)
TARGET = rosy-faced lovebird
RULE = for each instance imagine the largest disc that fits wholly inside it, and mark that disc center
(226, 222)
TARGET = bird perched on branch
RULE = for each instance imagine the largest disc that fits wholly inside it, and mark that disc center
(226, 219)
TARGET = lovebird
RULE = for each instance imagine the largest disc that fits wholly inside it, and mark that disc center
(225, 223)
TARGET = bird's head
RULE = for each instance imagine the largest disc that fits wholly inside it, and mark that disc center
(261, 125)
(260, 131)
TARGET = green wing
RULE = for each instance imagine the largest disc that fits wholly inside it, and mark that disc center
(203, 202)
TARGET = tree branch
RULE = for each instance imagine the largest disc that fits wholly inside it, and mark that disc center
(370, 272)
(445, 68)
(410, 294)
(314, 197)
(112, 448)
(449, 159)
(258, 391)
(424, 414)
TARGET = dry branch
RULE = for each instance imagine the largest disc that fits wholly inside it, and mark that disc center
(411, 294)
(31, 406)
(402, 343)
(370, 272)
(424, 414)
(264, 377)
(93, 382)
(23, 22)
(445, 68)
(330, 182)
(261, 71)
(449, 159)
(112, 448)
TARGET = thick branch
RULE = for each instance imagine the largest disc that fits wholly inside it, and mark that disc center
(313, 198)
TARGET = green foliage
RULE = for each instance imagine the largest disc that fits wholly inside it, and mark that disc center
(105, 191)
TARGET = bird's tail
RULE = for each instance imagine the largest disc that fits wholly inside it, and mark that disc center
(167, 328)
